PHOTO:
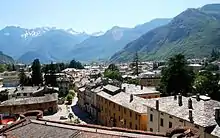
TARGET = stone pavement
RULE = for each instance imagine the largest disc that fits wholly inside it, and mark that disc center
(64, 111)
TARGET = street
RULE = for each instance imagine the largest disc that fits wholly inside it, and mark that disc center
(64, 110)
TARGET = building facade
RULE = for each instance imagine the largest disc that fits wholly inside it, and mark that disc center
(121, 110)
(150, 81)
(47, 104)
(171, 112)
(10, 79)
(140, 91)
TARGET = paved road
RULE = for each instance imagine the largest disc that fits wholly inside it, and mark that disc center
(61, 112)
(82, 115)
(64, 110)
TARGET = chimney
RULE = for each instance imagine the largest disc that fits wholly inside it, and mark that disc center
(190, 103)
(124, 88)
(131, 97)
(197, 97)
(157, 104)
(175, 97)
(190, 115)
(180, 100)
(142, 87)
(217, 114)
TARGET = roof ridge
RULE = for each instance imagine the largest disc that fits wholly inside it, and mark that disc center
(106, 128)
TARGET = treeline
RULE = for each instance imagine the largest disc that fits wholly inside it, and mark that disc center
(178, 77)
(52, 68)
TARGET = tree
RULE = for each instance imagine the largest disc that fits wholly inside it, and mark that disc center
(207, 83)
(70, 116)
(176, 77)
(69, 98)
(76, 65)
(13, 67)
(112, 72)
(211, 67)
(113, 67)
(215, 54)
(2, 68)
(135, 64)
(23, 78)
(36, 72)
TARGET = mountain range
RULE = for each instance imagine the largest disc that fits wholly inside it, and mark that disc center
(52, 44)
(104, 46)
(5, 59)
(194, 33)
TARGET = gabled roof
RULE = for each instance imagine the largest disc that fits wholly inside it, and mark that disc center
(31, 100)
(203, 111)
(27, 128)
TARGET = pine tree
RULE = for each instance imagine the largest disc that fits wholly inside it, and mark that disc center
(176, 77)
(22, 77)
(36, 72)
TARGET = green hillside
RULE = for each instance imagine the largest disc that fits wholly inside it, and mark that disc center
(194, 33)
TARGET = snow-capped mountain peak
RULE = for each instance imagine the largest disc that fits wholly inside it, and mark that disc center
(71, 31)
(35, 32)
(98, 33)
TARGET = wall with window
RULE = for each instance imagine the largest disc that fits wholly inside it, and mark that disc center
(150, 81)
(114, 115)
(161, 122)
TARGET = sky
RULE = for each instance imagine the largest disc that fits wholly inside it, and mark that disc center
(90, 15)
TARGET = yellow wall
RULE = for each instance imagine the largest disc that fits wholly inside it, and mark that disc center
(123, 117)
(150, 81)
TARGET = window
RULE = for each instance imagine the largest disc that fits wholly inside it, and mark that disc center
(119, 118)
(130, 114)
(105, 101)
(25, 94)
(125, 110)
(136, 127)
(170, 125)
(136, 116)
(151, 109)
(161, 113)
(171, 117)
(18, 94)
(105, 110)
(130, 125)
(125, 122)
(151, 129)
(181, 120)
(151, 117)
(161, 122)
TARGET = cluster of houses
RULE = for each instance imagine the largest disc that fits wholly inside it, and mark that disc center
(140, 107)
(114, 104)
